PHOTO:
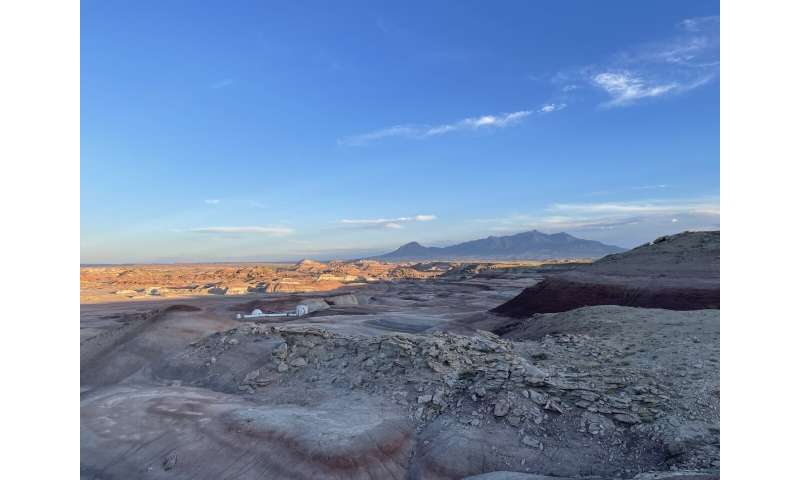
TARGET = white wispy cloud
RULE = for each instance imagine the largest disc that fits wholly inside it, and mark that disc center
(696, 44)
(258, 230)
(396, 131)
(625, 87)
(611, 215)
(700, 23)
(212, 201)
(672, 66)
(552, 107)
(662, 207)
(390, 223)
(426, 131)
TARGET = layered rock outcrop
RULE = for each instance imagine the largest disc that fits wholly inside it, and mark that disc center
(678, 272)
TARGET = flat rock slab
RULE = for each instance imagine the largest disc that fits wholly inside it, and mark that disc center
(177, 432)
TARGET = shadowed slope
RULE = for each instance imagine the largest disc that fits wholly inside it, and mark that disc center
(679, 272)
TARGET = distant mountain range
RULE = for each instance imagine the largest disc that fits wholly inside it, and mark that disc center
(533, 245)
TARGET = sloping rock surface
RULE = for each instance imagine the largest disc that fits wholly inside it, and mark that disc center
(678, 272)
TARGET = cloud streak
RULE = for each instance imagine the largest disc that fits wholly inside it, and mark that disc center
(255, 230)
(388, 223)
(625, 87)
(502, 120)
(552, 107)
(613, 215)
(661, 207)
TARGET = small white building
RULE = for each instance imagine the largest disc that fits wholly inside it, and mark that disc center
(299, 311)
(256, 313)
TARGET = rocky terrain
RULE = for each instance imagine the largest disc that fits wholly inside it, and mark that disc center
(399, 379)
(679, 272)
(113, 283)
(120, 282)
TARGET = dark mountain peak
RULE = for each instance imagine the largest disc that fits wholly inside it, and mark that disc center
(530, 234)
(530, 245)
(410, 250)
(412, 245)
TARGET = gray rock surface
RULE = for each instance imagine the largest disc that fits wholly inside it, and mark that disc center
(605, 395)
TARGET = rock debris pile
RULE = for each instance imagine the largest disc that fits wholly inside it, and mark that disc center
(480, 381)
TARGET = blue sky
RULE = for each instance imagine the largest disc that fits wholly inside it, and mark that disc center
(269, 131)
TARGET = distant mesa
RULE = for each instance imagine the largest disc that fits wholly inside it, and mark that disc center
(532, 245)
(676, 272)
